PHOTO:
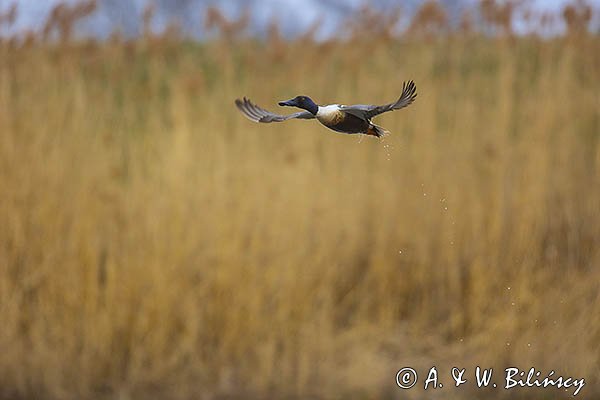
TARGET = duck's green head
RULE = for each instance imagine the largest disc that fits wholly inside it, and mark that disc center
(303, 102)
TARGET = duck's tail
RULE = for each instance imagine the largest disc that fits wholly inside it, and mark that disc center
(375, 130)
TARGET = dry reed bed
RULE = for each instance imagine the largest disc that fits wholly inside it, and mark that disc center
(154, 243)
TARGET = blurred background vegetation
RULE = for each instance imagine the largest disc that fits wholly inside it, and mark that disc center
(156, 244)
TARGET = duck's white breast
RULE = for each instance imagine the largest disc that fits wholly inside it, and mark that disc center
(330, 114)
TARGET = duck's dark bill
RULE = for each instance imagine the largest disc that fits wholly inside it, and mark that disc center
(289, 103)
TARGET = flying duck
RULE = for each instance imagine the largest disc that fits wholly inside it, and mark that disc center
(340, 118)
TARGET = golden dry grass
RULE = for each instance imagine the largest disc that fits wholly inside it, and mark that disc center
(156, 244)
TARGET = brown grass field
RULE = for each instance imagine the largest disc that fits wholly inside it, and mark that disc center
(156, 244)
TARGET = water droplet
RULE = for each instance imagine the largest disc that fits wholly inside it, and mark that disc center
(528, 344)
(513, 303)
(508, 288)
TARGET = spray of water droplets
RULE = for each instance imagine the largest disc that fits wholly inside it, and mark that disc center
(387, 149)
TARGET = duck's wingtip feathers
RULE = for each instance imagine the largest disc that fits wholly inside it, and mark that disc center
(249, 110)
(409, 93)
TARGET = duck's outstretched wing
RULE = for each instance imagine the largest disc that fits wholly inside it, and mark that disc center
(258, 114)
(368, 111)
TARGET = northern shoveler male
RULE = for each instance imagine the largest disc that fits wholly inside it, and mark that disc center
(340, 118)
